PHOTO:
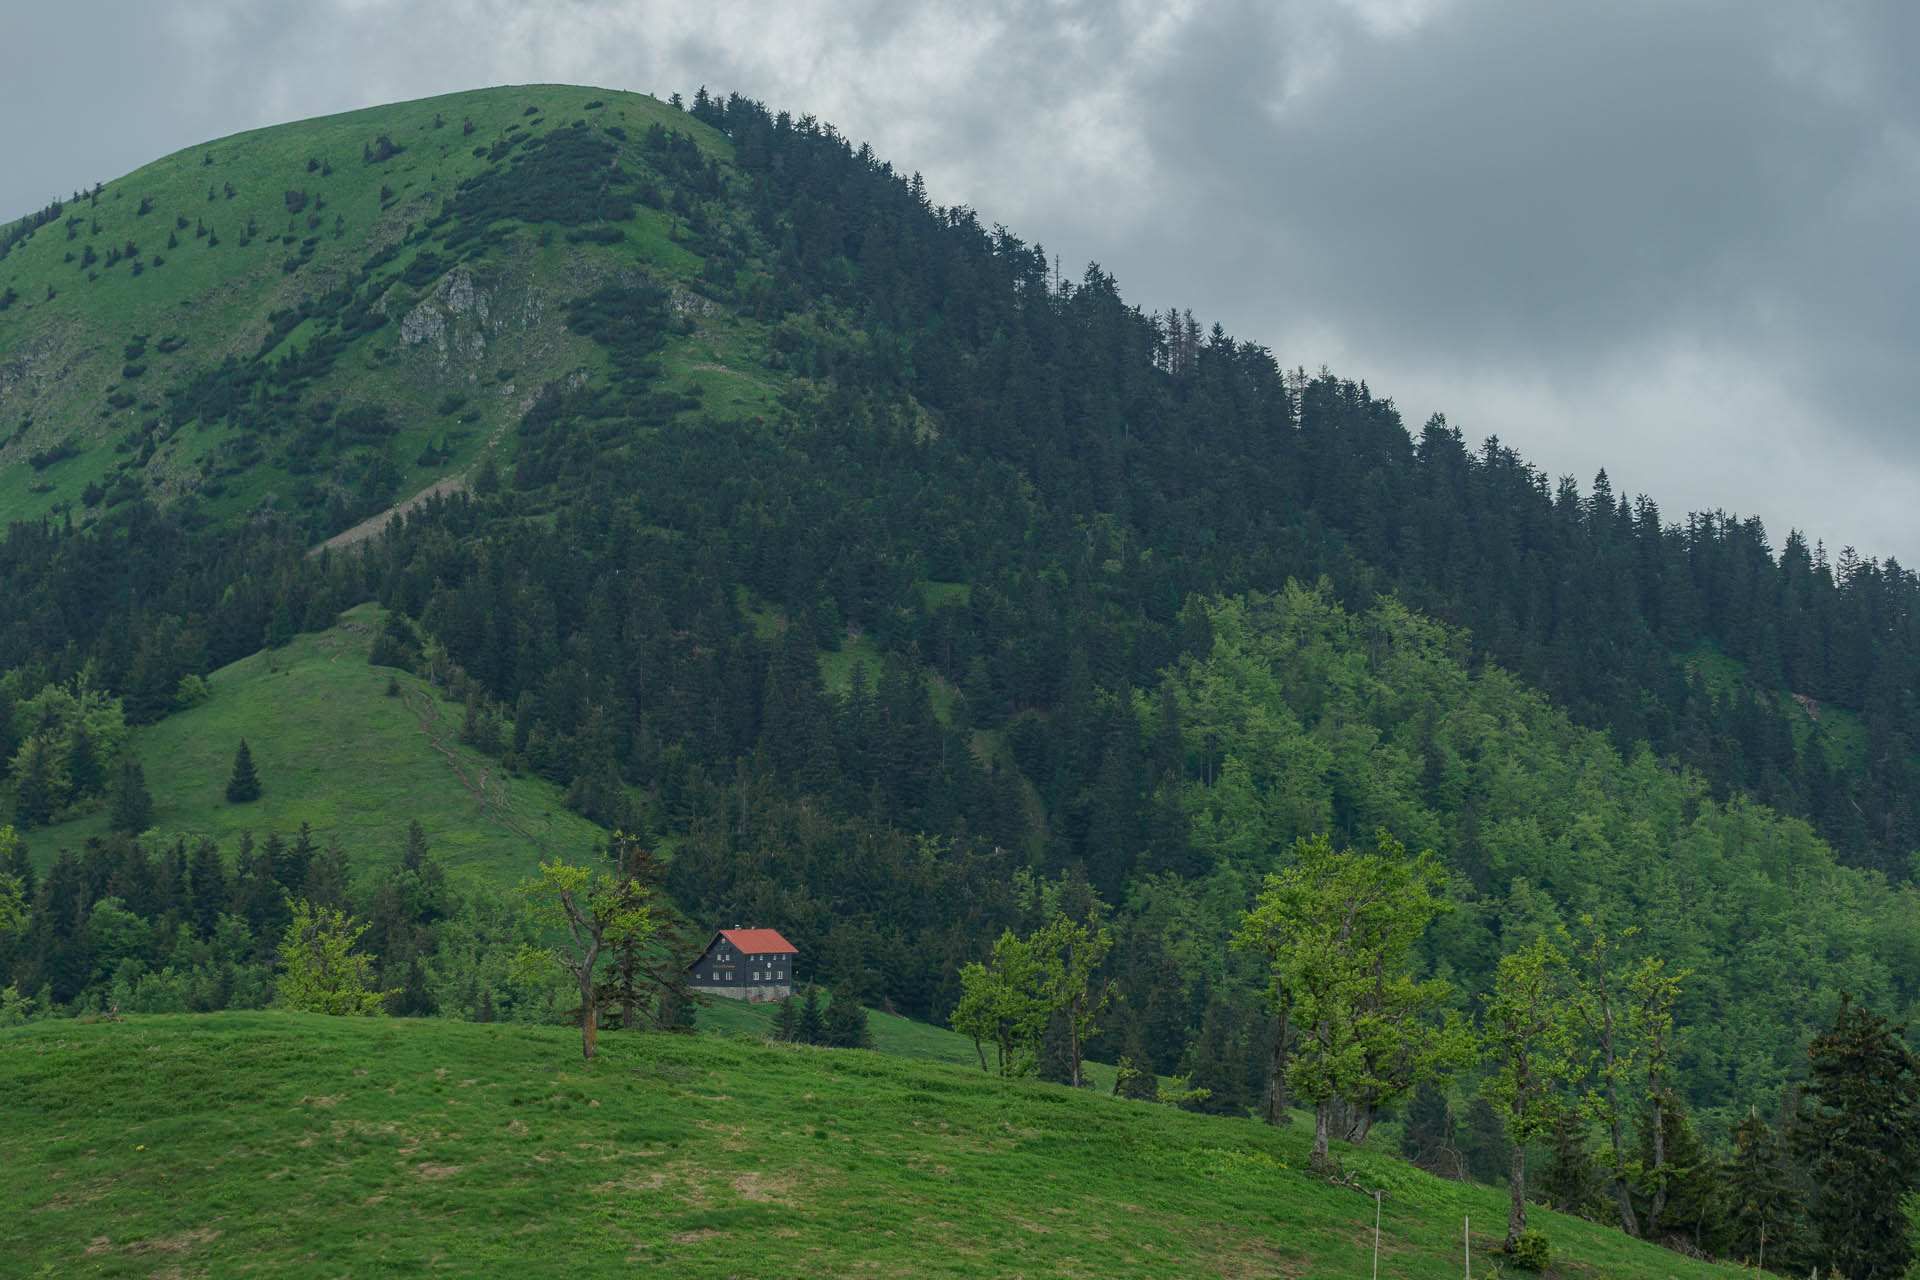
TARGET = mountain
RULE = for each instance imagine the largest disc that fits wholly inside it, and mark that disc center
(900, 589)
(267, 322)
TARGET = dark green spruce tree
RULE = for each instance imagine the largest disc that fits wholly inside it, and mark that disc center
(243, 784)
(131, 810)
(811, 1026)
(1571, 1181)
(845, 1023)
(1859, 1138)
(1761, 1209)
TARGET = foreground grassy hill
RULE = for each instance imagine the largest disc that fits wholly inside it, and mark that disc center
(336, 750)
(217, 1144)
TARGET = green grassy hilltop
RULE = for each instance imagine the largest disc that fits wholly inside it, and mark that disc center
(312, 1146)
(201, 325)
(334, 749)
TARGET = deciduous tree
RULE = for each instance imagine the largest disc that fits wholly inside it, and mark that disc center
(1528, 1047)
(1068, 955)
(598, 912)
(320, 970)
(1337, 929)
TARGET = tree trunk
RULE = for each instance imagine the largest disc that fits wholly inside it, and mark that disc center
(1657, 1203)
(1322, 1128)
(589, 1021)
(1073, 1038)
(1517, 1186)
(1360, 1122)
(1622, 1197)
(1276, 1099)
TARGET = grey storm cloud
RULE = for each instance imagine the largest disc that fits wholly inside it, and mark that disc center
(1669, 239)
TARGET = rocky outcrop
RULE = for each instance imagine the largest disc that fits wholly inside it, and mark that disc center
(454, 321)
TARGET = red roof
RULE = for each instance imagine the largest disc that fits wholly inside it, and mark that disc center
(759, 941)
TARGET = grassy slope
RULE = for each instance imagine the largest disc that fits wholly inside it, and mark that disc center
(217, 1144)
(892, 1035)
(62, 358)
(333, 750)
(1837, 729)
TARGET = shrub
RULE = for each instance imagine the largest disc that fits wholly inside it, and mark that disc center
(1531, 1252)
(192, 691)
(381, 149)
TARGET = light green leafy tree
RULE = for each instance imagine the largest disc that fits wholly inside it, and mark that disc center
(321, 972)
(1069, 955)
(74, 735)
(1528, 1047)
(14, 1007)
(596, 913)
(1655, 989)
(13, 897)
(1002, 1004)
(1604, 1012)
(1337, 929)
(1025, 984)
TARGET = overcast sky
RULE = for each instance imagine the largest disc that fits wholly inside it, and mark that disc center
(1672, 239)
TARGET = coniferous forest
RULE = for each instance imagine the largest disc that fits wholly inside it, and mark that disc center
(1017, 601)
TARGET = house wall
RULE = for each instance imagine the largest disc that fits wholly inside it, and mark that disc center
(734, 977)
(752, 992)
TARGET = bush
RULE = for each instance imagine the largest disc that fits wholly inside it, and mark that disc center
(1531, 1252)
(191, 692)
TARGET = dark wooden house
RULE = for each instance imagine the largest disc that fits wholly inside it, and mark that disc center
(745, 964)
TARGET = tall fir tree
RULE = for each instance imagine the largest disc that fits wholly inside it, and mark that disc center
(811, 1026)
(131, 809)
(1761, 1208)
(1859, 1139)
(844, 1025)
(243, 784)
(1571, 1181)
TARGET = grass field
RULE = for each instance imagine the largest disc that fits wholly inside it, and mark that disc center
(305, 1146)
(334, 750)
(892, 1035)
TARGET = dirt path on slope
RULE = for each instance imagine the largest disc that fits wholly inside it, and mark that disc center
(374, 524)
(490, 801)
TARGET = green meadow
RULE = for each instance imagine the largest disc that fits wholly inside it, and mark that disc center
(307, 1146)
(336, 750)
